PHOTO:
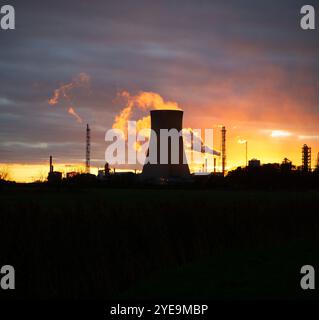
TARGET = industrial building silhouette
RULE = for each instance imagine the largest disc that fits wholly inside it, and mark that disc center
(172, 171)
(166, 119)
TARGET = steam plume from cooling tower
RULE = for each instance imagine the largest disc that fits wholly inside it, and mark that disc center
(145, 101)
(142, 101)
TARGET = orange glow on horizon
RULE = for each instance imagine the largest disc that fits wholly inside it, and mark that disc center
(263, 146)
(272, 133)
(39, 172)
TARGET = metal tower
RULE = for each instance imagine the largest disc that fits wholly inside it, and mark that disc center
(223, 150)
(306, 158)
(88, 149)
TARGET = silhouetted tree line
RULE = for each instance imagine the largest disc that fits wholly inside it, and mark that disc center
(274, 175)
(267, 176)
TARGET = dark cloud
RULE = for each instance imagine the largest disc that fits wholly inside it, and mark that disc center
(193, 52)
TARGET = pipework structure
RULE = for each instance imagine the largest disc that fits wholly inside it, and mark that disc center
(306, 158)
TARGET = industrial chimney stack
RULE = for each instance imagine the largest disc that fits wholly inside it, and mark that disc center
(223, 150)
(51, 165)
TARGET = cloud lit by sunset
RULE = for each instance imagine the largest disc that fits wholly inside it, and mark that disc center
(247, 67)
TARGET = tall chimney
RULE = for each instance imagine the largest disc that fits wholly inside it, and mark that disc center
(51, 165)
(223, 150)
(166, 119)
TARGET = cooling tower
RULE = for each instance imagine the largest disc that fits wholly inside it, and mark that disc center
(166, 119)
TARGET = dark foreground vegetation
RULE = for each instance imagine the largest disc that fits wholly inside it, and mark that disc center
(113, 243)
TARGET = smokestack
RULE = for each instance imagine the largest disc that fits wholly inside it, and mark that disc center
(51, 165)
(106, 169)
(223, 150)
(166, 119)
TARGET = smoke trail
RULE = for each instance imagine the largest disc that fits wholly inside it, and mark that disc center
(73, 113)
(65, 93)
(142, 101)
(194, 139)
(145, 101)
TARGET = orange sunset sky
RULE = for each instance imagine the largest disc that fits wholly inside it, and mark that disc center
(241, 64)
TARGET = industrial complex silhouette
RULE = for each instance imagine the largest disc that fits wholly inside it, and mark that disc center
(254, 174)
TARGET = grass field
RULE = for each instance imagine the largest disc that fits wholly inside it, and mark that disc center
(234, 274)
(107, 243)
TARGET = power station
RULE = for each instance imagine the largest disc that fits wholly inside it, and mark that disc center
(175, 167)
(166, 119)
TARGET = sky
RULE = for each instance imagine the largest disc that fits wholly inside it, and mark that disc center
(240, 63)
